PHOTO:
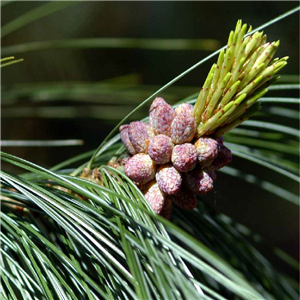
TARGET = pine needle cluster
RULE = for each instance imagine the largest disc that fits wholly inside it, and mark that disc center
(240, 77)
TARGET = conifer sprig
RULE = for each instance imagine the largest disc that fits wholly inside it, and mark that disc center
(242, 75)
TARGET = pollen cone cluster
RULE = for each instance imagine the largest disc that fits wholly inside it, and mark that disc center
(167, 162)
(174, 157)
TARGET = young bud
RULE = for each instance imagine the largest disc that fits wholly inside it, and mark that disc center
(140, 168)
(198, 181)
(155, 197)
(160, 149)
(161, 116)
(168, 179)
(184, 157)
(207, 150)
(125, 139)
(183, 127)
(139, 134)
(223, 159)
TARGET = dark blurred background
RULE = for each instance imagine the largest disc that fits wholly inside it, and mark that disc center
(74, 92)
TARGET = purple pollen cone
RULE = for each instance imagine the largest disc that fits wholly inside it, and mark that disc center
(207, 150)
(198, 181)
(185, 199)
(155, 197)
(139, 134)
(125, 139)
(184, 157)
(223, 159)
(160, 149)
(140, 168)
(168, 179)
(161, 117)
(183, 127)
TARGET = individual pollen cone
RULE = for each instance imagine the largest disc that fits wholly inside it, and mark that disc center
(224, 158)
(154, 196)
(140, 168)
(184, 157)
(207, 150)
(168, 179)
(160, 149)
(161, 115)
(185, 199)
(198, 181)
(183, 127)
(125, 139)
(139, 134)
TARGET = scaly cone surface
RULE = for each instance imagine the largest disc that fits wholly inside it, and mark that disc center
(177, 154)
